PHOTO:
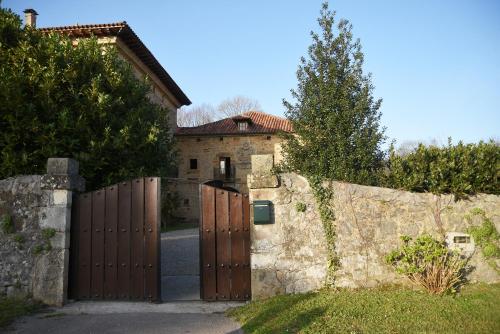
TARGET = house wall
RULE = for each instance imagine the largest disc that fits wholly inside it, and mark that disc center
(290, 255)
(207, 150)
(159, 94)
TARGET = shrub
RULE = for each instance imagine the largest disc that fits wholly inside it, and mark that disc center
(461, 169)
(19, 238)
(7, 224)
(300, 207)
(79, 101)
(428, 263)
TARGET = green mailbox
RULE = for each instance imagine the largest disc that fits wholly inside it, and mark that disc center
(262, 212)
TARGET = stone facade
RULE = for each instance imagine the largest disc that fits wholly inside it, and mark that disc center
(188, 200)
(291, 256)
(34, 247)
(207, 150)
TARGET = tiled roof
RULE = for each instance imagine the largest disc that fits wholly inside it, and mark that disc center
(261, 123)
(133, 42)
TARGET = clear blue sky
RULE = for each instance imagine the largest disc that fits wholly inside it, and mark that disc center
(436, 64)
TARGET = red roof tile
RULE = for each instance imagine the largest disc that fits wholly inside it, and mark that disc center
(261, 123)
(128, 36)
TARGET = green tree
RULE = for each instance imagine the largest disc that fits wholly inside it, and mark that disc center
(81, 101)
(334, 115)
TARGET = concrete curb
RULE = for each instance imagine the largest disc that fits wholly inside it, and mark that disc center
(141, 307)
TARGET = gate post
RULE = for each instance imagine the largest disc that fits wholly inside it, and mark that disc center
(50, 272)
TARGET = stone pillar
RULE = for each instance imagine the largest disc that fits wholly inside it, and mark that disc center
(50, 272)
(262, 174)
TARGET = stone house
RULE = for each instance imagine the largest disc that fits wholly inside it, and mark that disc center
(221, 151)
(165, 90)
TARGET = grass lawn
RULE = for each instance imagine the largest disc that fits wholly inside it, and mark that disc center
(389, 310)
(11, 308)
(178, 226)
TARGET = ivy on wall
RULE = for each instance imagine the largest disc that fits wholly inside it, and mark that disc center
(324, 196)
(486, 236)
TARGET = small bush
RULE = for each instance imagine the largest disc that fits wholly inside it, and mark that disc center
(48, 233)
(19, 238)
(38, 249)
(300, 207)
(428, 263)
(8, 224)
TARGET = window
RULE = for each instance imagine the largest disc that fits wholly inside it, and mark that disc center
(225, 166)
(242, 126)
(193, 163)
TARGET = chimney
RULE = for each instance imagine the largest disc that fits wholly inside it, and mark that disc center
(30, 17)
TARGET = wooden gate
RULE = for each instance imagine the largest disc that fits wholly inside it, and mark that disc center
(115, 242)
(225, 245)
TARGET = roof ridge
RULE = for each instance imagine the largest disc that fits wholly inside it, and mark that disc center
(86, 26)
(133, 42)
(266, 114)
(262, 123)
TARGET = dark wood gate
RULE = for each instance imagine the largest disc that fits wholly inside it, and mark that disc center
(115, 242)
(225, 245)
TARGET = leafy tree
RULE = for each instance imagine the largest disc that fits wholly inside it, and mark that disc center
(334, 115)
(60, 99)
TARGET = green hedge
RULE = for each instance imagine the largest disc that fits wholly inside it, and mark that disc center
(461, 169)
(78, 101)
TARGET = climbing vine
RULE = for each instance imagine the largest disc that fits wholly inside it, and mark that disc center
(486, 236)
(323, 193)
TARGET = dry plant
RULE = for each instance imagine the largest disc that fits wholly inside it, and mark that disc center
(429, 263)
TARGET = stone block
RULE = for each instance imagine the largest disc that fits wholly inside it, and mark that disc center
(56, 217)
(262, 181)
(62, 197)
(63, 182)
(62, 166)
(50, 277)
(262, 164)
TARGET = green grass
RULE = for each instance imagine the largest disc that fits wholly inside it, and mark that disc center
(387, 310)
(178, 226)
(13, 307)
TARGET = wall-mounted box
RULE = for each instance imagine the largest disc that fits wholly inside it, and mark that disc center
(460, 241)
(262, 212)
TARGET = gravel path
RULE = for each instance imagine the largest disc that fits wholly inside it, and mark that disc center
(180, 271)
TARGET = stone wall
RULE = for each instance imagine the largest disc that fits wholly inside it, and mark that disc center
(290, 255)
(35, 214)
